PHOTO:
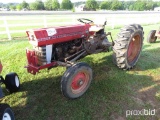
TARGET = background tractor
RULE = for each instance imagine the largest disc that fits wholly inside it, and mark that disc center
(153, 35)
(12, 84)
(64, 45)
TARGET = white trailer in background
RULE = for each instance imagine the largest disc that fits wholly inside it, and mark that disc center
(157, 9)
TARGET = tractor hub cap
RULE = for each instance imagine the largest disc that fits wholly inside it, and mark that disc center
(79, 82)
(6, 116)
(17, 81)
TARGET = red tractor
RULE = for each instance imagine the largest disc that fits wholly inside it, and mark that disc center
(64, 45)
(12, 84)
(153, 35)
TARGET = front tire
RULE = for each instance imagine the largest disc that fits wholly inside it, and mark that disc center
(76, 80)
(151, 37)
(12, 82)
(6, 112)
(128, 46)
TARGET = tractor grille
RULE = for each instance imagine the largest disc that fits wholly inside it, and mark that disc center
(40, 53)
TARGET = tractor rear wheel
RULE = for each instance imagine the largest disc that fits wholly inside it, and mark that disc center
(151, 36)
(76, 80)
(128, 46)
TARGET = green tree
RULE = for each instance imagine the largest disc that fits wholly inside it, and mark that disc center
(105, 5)
(56, 5)
(66, 4)
(48, 5)
(19, 7)
(37, 5)
(40, 5)
(128, 5)
(116, 5)
(12, 7)
(139, 5)
(158, 4)
(150, 5)
(131, 7)
(24, 4)
(52, 5)
(91, 4)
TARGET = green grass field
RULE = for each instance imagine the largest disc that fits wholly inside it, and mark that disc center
(112, 91)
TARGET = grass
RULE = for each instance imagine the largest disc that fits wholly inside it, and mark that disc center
(111, 94)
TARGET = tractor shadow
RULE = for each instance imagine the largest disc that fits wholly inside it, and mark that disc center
(112, 92)
(157, 41)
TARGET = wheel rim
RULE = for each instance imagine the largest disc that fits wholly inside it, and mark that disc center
(6, 116)
(153, 37)
(79, 82)
(134, 48)
(17, 81)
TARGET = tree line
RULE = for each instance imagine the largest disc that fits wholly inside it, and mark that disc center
(139, 5)
(40, 5)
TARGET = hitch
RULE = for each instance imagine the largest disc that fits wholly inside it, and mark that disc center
(109, 33)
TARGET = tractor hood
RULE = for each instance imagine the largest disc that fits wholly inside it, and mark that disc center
(53, 35)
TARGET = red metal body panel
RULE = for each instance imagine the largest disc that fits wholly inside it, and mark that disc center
(33, 66)
(53, 35)
(32, 59)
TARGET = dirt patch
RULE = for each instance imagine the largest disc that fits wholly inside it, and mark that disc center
(148, 97)
(138, 100)
(115, 116)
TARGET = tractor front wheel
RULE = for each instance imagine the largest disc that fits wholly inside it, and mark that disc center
(76, 80)
(6, 112)
(128, 46)
(151, 36)
(12, 82)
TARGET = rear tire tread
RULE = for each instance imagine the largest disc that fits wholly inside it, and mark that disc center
(122, 43)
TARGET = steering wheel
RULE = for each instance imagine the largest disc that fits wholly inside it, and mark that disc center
(84, 20)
